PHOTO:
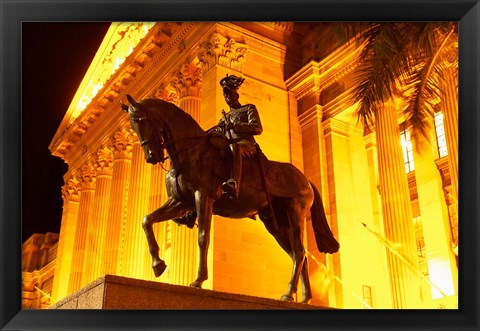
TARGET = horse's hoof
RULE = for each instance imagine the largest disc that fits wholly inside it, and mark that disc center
(306, 300)
(286, 297)
(159, 268)
(196, 284)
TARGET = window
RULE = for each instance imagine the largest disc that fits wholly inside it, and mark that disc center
(406, 142)
(440, 133)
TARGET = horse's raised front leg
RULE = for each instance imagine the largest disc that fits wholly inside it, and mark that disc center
(204, 205)
(169, 210)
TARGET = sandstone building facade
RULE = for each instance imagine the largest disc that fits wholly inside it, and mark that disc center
(301, 83)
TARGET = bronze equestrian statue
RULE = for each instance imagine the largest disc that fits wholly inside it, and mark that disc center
(278, 192)
(239, 125)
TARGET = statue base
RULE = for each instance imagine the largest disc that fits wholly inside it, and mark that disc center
(116, 292)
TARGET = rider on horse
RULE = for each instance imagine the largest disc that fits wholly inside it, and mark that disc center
(239, 125)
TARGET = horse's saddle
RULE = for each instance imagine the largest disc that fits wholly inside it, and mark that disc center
(277, 177)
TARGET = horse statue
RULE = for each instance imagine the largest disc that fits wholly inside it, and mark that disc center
(279, 194)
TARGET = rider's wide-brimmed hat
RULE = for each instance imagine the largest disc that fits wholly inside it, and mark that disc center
(231, 82)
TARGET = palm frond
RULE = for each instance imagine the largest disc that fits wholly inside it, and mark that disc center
(426, 91)
(402, 54)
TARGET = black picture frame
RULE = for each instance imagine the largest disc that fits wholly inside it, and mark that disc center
(466, 12)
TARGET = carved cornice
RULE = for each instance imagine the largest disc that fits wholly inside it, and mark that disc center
(158, 38)
(316, 76)
(221, 50)
(170, 51)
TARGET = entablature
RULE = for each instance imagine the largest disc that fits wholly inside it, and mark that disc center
(316, 76)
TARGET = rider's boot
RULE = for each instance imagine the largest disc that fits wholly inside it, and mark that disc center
(232, 186)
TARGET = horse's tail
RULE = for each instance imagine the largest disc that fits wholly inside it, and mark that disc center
(326, 243)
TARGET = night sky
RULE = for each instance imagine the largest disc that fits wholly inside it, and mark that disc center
(55, 57)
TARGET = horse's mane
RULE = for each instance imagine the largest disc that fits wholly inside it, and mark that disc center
(160, 110)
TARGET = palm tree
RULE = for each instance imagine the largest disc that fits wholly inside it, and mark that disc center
(413, 55)
(407, 61)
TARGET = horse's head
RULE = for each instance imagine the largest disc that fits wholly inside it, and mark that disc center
(151, 142)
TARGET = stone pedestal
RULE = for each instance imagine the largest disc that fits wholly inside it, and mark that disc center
(115, 292)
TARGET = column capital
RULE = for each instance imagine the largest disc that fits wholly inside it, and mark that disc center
(221, 50)
(167, 92)
(70, 190)
(184, 82)
(88, 176)
(122, 143)
(104, 160)
(188, 80)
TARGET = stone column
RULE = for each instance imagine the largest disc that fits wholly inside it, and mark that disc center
(134, 263)
(397, 210)
(71, 199)
(382, 282)
(87, 192)
(441, 263)
(97, 227)
(450, 116)
(122, 160)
